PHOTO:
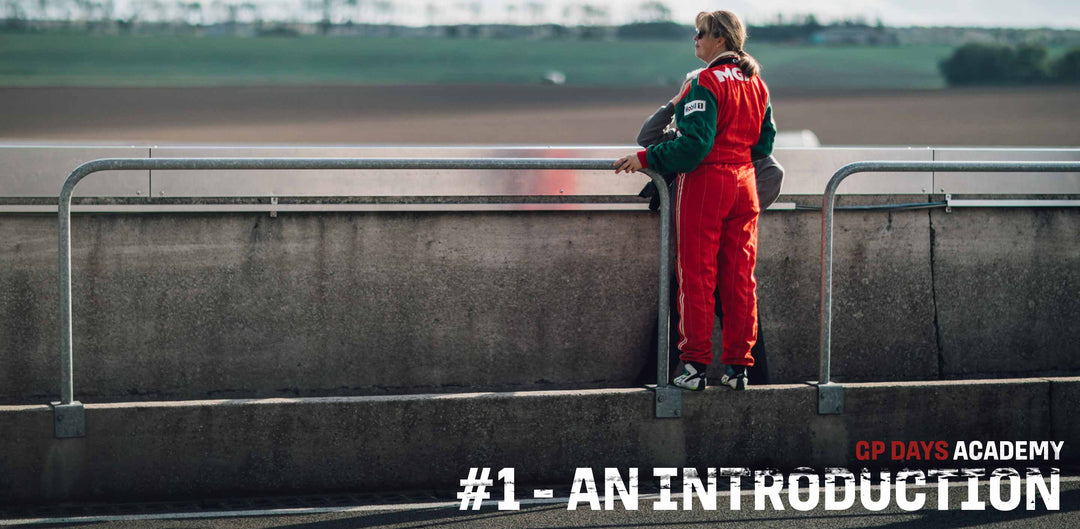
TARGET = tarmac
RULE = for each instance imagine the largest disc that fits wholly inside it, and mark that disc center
(345, 511)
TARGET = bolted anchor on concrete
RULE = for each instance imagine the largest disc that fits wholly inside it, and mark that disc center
(69, 420)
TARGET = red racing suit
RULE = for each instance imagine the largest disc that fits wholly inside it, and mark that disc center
(722, 114)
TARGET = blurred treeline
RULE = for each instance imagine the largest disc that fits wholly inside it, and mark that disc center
(981, 64)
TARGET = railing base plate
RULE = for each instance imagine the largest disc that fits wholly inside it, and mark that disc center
(830, 399)
(69, 420)
(668, 402)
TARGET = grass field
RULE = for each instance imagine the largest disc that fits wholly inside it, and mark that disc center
(76, 59)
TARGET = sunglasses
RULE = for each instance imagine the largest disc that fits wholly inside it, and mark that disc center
(700, 34)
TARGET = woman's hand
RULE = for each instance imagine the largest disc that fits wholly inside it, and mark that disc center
(628, 163)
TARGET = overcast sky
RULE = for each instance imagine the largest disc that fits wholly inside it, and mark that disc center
(989, 13)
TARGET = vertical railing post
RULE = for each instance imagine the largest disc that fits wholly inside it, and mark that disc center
(830, 396)
(668, 397)
(69, 417)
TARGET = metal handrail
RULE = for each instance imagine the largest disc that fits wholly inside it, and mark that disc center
(69, 415)
(830, 395)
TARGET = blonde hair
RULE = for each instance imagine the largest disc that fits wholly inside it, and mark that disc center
(727, 25)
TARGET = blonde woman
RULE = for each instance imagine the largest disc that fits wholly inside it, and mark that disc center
(722, 114)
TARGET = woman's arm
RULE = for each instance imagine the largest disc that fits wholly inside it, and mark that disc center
(765, 142)
(770, 174)
(697, 127)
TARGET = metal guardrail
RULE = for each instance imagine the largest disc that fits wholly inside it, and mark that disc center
(830, 394)
(69, 414)
(37, 170)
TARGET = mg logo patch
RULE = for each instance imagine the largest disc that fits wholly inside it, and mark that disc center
(730, 74)
(694, 106)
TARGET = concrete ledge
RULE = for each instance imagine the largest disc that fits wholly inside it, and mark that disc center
(198, 448)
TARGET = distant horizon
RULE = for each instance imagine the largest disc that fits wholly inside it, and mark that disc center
(984, 14)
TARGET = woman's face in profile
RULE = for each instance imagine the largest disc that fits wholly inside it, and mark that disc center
(707, 47)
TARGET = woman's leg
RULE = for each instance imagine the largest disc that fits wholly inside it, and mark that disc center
(759, 372)
(703, 199)
(737, 285)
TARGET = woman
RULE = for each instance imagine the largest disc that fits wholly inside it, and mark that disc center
(721, 115)
(769, 180)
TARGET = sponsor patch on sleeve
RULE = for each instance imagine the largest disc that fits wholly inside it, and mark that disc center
(694, 106)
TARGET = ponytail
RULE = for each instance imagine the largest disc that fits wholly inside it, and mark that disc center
(748, 64)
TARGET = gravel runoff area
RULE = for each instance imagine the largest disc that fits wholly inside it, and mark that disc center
(516, 114)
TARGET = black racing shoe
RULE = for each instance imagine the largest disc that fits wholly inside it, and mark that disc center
(735, 377)
(692, 377)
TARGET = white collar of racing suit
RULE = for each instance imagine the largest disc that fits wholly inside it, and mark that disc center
(722, 55)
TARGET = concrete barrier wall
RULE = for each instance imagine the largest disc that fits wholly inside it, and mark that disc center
(207, 448)
(1007, 290)
(190, 306)
(195, 306)
(883, 299)
(1065, 399)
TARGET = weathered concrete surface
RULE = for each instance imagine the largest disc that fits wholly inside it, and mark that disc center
(1008, 290)
(241, 306)
(247, 305)
(969, 410)
(201, 448)
(781, 428)
(190, 448)
(883, 302)
(1065, 408)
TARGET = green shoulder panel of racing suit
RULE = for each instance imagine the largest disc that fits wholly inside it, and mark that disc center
(695, 117)
(765, 142)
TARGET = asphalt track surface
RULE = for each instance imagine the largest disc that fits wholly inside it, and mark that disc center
(554, 513)
(520, 114)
